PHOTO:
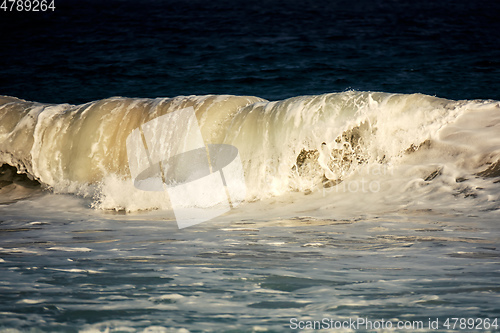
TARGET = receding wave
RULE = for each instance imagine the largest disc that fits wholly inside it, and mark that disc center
(306, 144)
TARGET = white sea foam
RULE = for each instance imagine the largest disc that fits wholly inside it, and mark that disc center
(69, 249)
(350, 151)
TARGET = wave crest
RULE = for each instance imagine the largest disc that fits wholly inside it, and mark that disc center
(298, 144)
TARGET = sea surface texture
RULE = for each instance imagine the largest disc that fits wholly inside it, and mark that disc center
(367, 136)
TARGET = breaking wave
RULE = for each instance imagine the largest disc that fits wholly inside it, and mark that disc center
(416, 145)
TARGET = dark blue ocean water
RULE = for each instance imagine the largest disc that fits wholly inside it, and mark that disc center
(88, 49)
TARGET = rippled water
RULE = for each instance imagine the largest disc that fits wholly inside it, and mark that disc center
(66, 267)
(74, 269)
(91, 50)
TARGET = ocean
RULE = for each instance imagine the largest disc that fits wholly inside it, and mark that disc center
(236, 166)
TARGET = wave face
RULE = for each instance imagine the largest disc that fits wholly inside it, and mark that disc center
(392, 147)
